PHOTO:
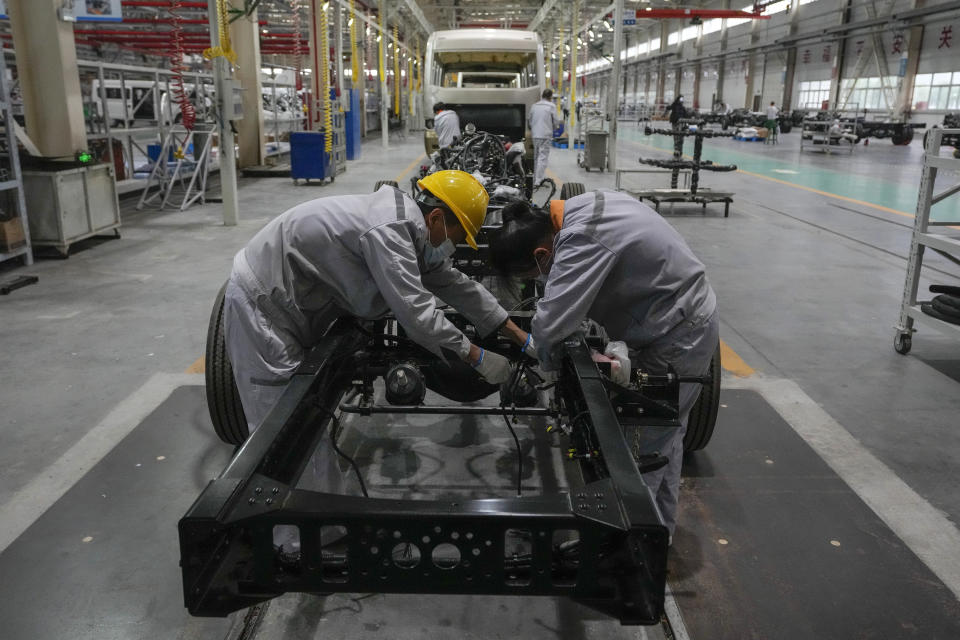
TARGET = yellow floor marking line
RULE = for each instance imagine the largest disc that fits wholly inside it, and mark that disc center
(550, 174)
(200, 366)
(733, 363)
(409, 167)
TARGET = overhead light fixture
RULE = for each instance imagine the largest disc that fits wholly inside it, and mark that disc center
(592, 34)
(350, 22)
(326, 5)
(608, 25)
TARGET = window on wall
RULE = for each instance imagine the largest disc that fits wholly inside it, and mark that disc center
(867, 93)
(937, 91)
(813, 93)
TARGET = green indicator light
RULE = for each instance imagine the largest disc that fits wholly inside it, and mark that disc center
(84, 157)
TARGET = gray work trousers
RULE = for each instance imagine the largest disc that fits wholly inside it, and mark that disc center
(689, 347)
(541, 152)
(263, 359)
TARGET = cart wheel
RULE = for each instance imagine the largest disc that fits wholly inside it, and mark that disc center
(296, 182)
(956, 153)
(902, 343)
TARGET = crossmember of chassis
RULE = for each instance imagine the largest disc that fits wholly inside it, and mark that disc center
(602, 543)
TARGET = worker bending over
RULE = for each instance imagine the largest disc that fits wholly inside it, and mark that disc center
(607, 257)
(446, 122)
(542, 121)
(358, 256)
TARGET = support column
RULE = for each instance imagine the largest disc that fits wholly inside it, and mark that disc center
(223, 82)
(382, 76)
(905, 100)
(790, 69)
(338, 50)
(722, 61)
(245, 34)
(574, 17)
(837, 72)
(661, 66)
(49, 78)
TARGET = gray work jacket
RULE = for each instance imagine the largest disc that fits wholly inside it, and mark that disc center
(447, 124)
(617, 262)
(542, 119)
(359, 256)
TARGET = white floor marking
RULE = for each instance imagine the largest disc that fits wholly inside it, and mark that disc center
(921, 526)
(28, 504)
(673, 615)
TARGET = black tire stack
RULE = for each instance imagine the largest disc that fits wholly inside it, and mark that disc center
(223, 399)
(945, 306)
(571, 189)
(380, 183)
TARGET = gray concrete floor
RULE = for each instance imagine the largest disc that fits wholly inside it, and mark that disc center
(809, 289)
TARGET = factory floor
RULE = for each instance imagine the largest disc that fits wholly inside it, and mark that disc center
(827, 500)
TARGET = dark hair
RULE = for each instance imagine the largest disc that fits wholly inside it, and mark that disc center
(547, 94)
(428, 202)
(524, 229)
(438, 107)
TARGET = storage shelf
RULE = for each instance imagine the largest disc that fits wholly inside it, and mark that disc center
(934, 323)
(940, 241)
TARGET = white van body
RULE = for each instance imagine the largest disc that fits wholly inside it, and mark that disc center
(490, 77)
(141, 101)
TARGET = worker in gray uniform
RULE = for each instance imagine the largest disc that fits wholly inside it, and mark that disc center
(446, 122)
(607, 257)
(358, 256)
(542, 121)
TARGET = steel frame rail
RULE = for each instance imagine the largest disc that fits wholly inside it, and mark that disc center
(229, 563)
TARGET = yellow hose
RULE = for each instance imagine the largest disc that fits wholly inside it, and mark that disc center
(381, 77)
(560, 70)
(396, 71)
(225, 49)
(419, 68)
(410, 84)
(354, 58)
(324, 84)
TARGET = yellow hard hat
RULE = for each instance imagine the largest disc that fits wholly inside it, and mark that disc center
(465, 196)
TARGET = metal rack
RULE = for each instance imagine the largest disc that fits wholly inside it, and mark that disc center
(12, 183)
(910, 310)
(593, 131)
(816, 135)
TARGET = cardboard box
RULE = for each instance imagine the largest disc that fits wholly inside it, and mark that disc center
(11, 234)
(762, 132)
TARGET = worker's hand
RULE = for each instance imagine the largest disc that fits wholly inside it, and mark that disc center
(529, 347)
(494, 368)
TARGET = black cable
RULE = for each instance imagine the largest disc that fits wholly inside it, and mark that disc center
(333, 440)
(516, 441)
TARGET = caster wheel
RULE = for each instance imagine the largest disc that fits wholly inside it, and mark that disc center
(902, 343)
(296, 182)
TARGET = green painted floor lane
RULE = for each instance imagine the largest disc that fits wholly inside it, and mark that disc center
(884, 193)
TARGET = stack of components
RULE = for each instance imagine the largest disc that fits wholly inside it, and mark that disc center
(944, 307)
(695, 166)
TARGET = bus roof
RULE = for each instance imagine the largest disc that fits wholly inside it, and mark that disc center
(484, 39)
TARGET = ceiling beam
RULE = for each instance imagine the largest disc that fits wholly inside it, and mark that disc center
(542, 14)
(418, 14)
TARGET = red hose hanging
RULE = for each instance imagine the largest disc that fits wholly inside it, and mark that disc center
(187, 111)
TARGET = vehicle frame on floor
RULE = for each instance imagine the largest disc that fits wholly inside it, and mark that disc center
(602, 543)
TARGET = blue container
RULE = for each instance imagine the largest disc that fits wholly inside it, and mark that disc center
(352, 123)
(308, 160)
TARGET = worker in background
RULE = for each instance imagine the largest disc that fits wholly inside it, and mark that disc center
(359, 256)
(446, 122)
(607, 257)
(772, 114)
(565, 107)
(542, 121)
(677, 111)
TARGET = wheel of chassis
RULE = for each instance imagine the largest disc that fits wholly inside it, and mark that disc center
(785, 127)
(571, 189)
(902, 343)
(703, 416)
(223, 399)
(380, 183)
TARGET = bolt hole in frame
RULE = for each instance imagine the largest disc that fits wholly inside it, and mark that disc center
(602, 544)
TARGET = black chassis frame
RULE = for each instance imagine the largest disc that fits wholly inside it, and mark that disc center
(229, 563)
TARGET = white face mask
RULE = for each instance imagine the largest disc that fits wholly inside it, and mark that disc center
(435, 256)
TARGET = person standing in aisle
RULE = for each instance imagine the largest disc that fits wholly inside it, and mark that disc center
(565, 107)
(446, 122)
(542, 122)
(677, 111)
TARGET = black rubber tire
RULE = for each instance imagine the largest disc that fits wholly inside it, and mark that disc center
(931, 311)
(571, 189)
(380, 183)
(703, 416)
(950, 301)
(223, 399)
(949, 309)
(945, 288)
(902, 343)
(785, 127)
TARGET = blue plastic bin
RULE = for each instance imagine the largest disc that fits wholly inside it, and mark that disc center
(308, 160)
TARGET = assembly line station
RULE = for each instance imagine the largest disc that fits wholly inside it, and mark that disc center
(823, 502)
